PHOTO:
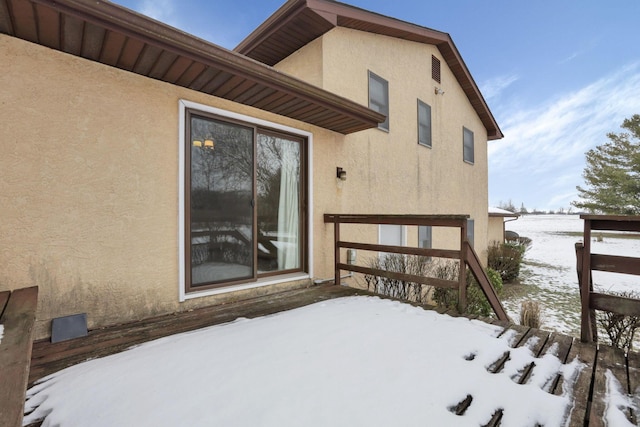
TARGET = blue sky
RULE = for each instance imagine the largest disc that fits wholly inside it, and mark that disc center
(558, 75)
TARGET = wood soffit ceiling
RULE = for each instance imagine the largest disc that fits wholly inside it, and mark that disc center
(298, 22)
(113, 35)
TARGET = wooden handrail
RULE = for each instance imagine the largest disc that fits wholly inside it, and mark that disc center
(17, 315)
(485, 284)
(437, 253)
(433, 281)
(465, 255)
(588, 262)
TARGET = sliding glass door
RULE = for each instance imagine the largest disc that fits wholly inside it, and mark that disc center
(221, 199)
(279, 203)
(245, 199)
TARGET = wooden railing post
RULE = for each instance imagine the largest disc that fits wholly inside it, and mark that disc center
(588, 333)
(584, 334)
(462, 274)
(336, 249)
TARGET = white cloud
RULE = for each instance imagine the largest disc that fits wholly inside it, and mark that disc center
(570, 58)
(161, 10)
(546, 145)
(493, 87)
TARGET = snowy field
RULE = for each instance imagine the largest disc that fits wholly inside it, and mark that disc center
(357, 361)
(549, 269)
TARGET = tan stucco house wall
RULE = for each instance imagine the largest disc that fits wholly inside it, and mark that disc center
(90, 187)
(496, 230)
(92, 179)
(434, 180)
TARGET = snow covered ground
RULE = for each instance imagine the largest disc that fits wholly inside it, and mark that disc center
(549, 268)
(357, 361)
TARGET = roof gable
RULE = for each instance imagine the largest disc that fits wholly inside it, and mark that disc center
(298, 22)
(113, 35)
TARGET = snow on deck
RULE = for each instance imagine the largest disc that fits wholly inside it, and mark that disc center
(347, 361)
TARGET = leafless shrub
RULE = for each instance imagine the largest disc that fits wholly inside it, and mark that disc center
(506, 258)
(396, 288)
(530, 314)
(618, 330)
(425, 294)
(446, 297)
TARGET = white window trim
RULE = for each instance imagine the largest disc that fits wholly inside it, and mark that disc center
(183, 105)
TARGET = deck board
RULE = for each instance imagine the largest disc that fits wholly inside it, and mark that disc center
(535, 340)
(559, 345)
(633, 363)
(515, 333)
(580, 386)
(587, 387)
(612, 360)
(48, 358)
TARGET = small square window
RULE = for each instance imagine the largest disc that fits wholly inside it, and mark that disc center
(424, 124)
(468, 145)
(379, 97)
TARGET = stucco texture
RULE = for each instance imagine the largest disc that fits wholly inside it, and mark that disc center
(389, 172)
(89, 186)
(496, 230)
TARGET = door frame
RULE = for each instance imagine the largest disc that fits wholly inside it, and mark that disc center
(307, 263)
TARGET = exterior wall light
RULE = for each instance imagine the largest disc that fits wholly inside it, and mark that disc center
(439, 91)
(341, 174)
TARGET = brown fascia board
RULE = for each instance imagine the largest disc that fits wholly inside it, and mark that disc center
(286, 13)
(130, 23)
(337, 13)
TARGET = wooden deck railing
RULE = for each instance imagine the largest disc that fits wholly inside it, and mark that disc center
(588, 262)
(465, 254)
(17, 317)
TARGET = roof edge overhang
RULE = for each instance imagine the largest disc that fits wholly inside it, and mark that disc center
(25, 19)
(498, 215)
(339, 14)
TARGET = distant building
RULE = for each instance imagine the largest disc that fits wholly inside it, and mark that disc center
(497, 218)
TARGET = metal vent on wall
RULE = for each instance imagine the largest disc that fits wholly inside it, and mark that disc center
(68, 327)
(435, 68)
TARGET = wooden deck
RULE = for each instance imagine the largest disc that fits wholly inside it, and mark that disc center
(588, 389)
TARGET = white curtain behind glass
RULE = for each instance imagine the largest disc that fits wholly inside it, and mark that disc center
(289, 207)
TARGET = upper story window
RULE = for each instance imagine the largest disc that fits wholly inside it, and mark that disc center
(435, 68)
(468, 145)
(379, 97)
(424, 124)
